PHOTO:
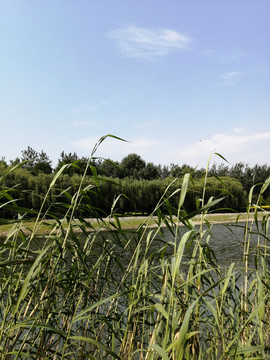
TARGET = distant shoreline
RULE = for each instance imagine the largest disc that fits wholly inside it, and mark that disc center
(133, 222)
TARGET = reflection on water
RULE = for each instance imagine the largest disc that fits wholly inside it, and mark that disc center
(225, 240)
(228, 242)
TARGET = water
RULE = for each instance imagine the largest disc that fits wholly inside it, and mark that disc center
(227, 241)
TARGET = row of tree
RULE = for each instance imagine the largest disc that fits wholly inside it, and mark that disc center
(143, 183)
(133, 166)
(99, 193)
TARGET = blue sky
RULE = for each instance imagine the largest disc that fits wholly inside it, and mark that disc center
(178, 79)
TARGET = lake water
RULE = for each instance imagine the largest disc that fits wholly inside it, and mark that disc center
(225, 240)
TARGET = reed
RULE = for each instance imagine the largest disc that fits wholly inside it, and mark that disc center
(117, 293)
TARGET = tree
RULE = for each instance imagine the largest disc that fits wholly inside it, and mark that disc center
(3, 161)
(43, 164)
(36, 162)
(15, 162)
(133, 166)
(223, 170)
(110, 168)
(30, 155)
(237, 171)
(3, 165)
(67, 159)
(164, 171)
(151, 172)
(78, 164)
(261, 172)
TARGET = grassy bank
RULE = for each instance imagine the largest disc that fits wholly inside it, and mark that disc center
(112, 293)
(127, 222)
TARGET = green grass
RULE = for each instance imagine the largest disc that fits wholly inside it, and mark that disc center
(112, 293)
(130, 222)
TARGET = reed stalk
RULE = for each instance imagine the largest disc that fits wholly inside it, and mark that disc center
(145, 293)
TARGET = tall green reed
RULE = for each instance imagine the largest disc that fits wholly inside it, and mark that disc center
(108, 293)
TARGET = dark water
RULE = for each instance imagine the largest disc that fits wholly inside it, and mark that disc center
(227, 241)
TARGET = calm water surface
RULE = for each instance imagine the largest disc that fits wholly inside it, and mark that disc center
(227, 241)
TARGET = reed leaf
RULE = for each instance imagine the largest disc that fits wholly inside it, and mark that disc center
(30, 275)
(98, 344)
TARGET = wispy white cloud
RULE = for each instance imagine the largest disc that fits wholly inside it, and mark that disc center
(238, 130)
(230, 77)
(78, 123)
(223, 57)
(148, 44)
(235, 147)
(85, 109)
(89, 108)
(112, 146)
(145, 125)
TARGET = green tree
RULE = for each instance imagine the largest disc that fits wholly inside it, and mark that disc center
(43, 164)
(151, 171)
(30, 155)
(164, 171)
(36, 162)
(78, 164)
(238, 171)
(15, 162)
(133, 166)
(3, 165)
(110, 168)
(3, 161)
(179, 171)
(70, 158)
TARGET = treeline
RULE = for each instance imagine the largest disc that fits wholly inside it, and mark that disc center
(142, 184)
(99, 193)
(133, 166)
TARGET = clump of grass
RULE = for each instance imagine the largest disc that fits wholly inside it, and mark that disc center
(117, 293)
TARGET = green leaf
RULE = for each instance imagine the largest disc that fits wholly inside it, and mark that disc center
(31, 273)
(161, 309)
(59, 172)
(160, 351)
(184, 189)
(248, 350)
(16, 262)
(222, 157)
(265, 185)
(183, 333)
(82, 315)
(227, 279)
(203, 208)
(96, 343)
(102, 139)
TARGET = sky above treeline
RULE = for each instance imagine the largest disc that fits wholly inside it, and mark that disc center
(177, 79)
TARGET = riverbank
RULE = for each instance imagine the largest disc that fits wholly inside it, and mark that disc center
(126, 222)
(103, 296)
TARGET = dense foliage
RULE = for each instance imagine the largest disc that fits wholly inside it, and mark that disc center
(138, 196)
(85, 289)
(142, 183)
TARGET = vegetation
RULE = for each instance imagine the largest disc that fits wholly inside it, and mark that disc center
(143, 184)
(113, 293)
(141, 196)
